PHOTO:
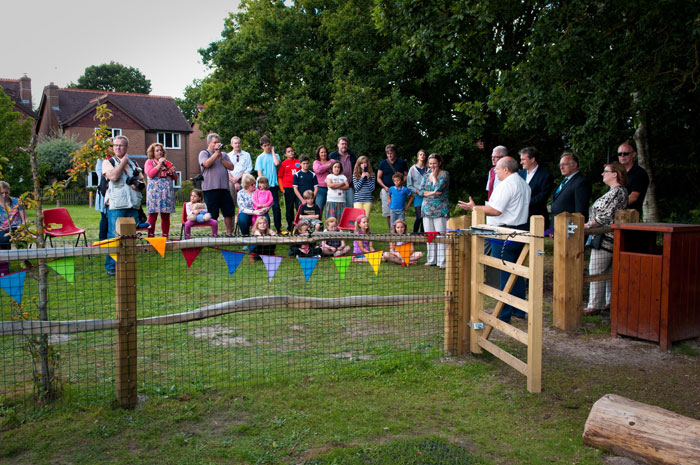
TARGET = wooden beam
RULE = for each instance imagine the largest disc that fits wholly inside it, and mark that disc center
(126, 356)
(535, 302)
(510, 359)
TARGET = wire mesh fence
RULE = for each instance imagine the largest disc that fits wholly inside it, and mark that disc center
(210, 313)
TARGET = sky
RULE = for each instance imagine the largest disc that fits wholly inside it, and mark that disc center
(54, 41)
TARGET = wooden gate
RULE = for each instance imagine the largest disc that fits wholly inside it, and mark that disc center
(482, 323)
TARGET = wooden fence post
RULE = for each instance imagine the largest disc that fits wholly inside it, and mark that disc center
(568, 271)
(126, 350)
(477, 276)
(534, 312)
(626, 216)
(458, 269)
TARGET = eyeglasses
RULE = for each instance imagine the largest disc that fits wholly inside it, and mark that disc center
(606, 171)
(623, 154)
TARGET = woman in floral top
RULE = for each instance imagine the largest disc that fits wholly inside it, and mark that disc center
(246, 208)
(603, 214)
(436, 209)
(11, 215)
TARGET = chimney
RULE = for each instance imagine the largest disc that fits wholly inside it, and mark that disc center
(51, 92)
(25, 90)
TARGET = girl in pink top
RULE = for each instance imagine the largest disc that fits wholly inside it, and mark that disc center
(262, 197)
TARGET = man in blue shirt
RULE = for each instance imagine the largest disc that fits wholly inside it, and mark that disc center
(266, 165)
(385, 172)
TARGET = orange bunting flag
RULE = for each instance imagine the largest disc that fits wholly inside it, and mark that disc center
(108, 243)
(190, 255)
(432, 235)
(158, 243)
(405, 251)
(374, 258)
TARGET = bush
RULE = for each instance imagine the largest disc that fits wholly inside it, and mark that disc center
(53, 155)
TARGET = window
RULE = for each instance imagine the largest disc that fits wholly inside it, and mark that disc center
(170, 140)
(115, 132)
(177, 184)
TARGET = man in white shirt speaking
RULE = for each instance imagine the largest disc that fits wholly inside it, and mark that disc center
(508, 207)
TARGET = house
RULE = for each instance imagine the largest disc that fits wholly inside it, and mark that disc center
(144, 119)
(20, 92)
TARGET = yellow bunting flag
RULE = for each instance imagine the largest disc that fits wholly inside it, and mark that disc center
(374, 258)
(405, 251)
(65, 267)
(158, 243)
(109, 243)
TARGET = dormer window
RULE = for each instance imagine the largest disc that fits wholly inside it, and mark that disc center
(170, 140)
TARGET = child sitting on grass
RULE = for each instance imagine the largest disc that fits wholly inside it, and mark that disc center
(261, 228)
(393, 255)
(333, 247)
(362, 247)
(304, 250)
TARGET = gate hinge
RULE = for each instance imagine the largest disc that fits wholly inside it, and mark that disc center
(475, 326)
(570, 228)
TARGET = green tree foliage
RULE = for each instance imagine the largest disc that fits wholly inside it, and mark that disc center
(14, 133)
(113, 77)
(191, 100)
(54, 157)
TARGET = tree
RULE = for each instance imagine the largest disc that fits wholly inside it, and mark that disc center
(54, 157)
(14, 133)
(113, 77)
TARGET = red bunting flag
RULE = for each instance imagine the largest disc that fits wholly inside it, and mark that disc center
(191, 254)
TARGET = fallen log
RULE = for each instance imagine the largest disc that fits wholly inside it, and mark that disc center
(642, 432)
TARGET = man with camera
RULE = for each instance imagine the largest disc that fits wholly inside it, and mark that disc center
(215, 165)
(123, 195)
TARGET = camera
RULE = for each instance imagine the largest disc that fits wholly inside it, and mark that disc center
(197, 178)
(134, 180)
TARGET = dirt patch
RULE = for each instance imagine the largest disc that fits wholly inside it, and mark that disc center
(218, 335)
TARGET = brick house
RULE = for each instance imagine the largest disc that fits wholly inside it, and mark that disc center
(20, 92)
(144, 119)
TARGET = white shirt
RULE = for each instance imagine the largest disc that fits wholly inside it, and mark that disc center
(335, 195)
(512, 198)
(531, 174)
(242, 163)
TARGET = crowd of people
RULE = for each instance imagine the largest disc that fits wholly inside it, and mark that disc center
(316, 193)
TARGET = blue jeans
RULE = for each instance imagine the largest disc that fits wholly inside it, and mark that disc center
(321, 197)
(350, 195)
(245, 222)
(509, 253)
(112, 216)
(396, 214)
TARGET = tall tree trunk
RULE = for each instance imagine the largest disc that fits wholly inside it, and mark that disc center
(47, 389)
(651, 213)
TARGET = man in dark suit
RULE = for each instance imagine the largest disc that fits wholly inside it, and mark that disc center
(540, 181)
(574, 193)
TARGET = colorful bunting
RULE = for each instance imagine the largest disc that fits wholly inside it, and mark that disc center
(158, 243)
(374, 258)
(342, 264)
(108, 243)
(405, 251)
(232, 259)
(190, 254)
(272, 263)
(65, 267)
(13, 284)
(307, 266)
(432, 235)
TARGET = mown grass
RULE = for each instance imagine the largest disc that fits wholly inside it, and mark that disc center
(348, 386)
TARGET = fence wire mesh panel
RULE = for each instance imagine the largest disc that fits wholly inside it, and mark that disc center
(597, 274)
(209, 313)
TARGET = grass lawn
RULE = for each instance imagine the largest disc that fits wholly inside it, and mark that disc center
(344, 386)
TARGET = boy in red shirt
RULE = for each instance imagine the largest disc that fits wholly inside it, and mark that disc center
(288, 168)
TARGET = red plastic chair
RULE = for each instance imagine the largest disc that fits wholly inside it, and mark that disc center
(348, 218)
(66, 227)
(184, 220)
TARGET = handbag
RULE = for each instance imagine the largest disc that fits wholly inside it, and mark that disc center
(595, 241)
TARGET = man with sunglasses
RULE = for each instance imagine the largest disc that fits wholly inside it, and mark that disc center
(637, 177)
(242, 164)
